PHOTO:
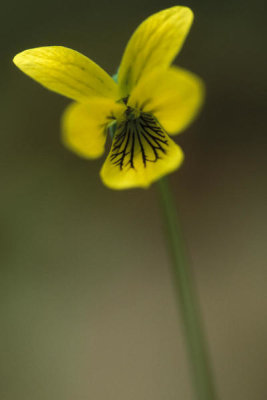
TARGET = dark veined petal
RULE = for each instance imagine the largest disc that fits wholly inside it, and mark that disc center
(141, 153)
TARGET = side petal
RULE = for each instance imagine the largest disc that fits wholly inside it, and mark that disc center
(66, 72)
(141, 153)
(155, 43)
(173, 96)
(84, 126)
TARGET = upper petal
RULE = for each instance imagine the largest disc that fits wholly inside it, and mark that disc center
(173, 96)
(84, 126)
(155, 43)
(66, 72)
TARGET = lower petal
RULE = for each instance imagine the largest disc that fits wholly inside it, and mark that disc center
(174, 96)
(84, 126)
(141, 153)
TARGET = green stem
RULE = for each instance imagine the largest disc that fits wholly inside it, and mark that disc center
(191, 319)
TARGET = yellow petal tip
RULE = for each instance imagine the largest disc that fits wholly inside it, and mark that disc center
(17, 58)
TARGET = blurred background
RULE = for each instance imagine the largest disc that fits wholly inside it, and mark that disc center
(87, 304)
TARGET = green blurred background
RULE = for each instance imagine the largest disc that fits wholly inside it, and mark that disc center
(87, 304)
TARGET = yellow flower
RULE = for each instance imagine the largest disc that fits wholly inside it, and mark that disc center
(150, 99)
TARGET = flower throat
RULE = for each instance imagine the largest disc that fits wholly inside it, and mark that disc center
(139, 139)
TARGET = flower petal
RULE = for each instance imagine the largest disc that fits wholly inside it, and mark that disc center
(84, 126)
(66, 72)
(155, 43)
(141, 153)
(173, 96)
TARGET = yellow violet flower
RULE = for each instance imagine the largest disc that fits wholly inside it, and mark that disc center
(150, 99)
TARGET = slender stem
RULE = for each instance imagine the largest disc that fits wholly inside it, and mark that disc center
(191, 319)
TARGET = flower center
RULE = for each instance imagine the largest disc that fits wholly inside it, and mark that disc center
(132, 113)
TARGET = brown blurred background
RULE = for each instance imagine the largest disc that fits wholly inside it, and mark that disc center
(87, 304)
